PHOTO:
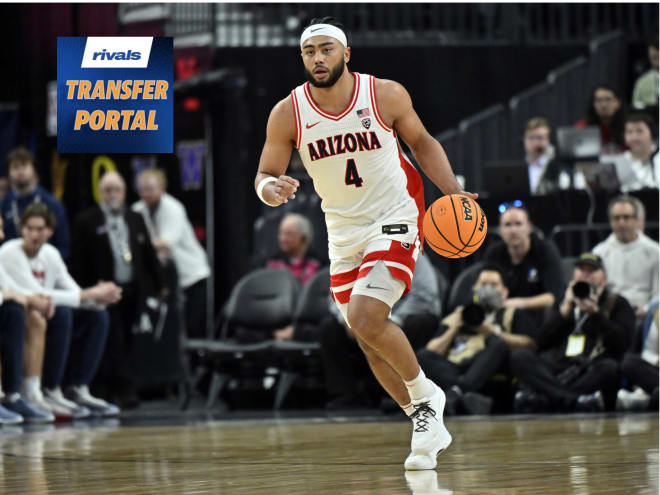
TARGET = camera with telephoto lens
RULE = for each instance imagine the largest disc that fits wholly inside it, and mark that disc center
(485, 300)
(582, 290)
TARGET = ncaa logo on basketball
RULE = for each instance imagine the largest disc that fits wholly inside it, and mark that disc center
(467, 209)
(366, 123)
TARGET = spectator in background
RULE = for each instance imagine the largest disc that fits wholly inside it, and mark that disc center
(606, 111)
(173, 239)
(348, 380)
(18, 311)
(579, 347)
(111, 242)
(630, 257)
(294, 238)
(37, 267)
(4, 188)
(642, 155)
(532, 266)
(640, 367)
(546, 173)
(26, 190)
(645, 92)
(465, 352)
(641, 215)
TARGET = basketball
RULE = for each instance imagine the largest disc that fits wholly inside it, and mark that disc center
(455, 226)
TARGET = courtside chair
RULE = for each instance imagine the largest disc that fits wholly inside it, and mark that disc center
(264, 299)
(300, 361)
(461, 289)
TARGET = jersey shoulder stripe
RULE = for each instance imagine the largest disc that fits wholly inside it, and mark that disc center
(374, 104)
(296, 111)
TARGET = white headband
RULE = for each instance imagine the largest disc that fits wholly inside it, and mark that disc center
(323, 30)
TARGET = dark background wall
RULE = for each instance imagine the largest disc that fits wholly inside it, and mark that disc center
(447, 83)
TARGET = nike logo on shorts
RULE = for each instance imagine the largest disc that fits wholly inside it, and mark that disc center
(369, 286)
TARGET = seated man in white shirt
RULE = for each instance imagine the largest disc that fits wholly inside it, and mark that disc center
(18, 312)
(173, 238)
(641, 162)
(37, 267)
(630, 257)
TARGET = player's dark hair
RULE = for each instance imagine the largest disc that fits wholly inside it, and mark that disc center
(20, 155)
(617, 119)
(333, 22)
(646, 119)
(495, 267)
(624, 198)
(39, 210)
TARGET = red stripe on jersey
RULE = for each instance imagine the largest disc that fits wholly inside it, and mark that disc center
(342, 297)
(343, 113)
(374, 103)
(397, 254)
(402, 275)
(397, 273)
(344, 278)
(296, 111)
(415, 188)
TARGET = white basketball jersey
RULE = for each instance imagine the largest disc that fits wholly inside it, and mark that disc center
(363, 178)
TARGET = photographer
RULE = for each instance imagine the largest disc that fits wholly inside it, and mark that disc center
(579, 347)
(474, 342)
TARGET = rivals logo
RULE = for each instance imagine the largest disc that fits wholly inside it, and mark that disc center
(106, 55)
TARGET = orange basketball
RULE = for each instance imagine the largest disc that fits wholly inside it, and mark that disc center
(455, 226)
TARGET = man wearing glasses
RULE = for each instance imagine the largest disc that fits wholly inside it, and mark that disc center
(629, 256)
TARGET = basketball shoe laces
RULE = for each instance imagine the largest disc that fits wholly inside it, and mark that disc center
(421, 417)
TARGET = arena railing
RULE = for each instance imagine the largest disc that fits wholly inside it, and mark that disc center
(573, 239)
(496, 132)
(254, 24)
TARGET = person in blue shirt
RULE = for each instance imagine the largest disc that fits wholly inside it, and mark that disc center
(26, 190)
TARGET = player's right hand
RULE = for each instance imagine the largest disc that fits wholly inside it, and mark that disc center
(283, 189)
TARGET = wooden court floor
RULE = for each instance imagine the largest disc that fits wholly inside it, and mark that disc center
(557, 454)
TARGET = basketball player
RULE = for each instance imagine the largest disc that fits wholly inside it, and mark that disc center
(345, 126)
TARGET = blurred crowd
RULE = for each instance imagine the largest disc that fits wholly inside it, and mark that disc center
(72, 300)
(524, 328)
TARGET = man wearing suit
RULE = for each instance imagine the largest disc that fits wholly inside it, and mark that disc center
(111, 242)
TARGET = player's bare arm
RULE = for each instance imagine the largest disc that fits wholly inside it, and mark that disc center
(275, 156)
(396, 108)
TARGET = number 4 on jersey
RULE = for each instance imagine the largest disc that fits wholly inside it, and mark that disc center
(352, 176)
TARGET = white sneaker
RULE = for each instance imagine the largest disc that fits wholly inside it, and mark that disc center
(637, 400)
(98, 407)
(63, 408)
(430, 437)
(425, 483)
(36, 400)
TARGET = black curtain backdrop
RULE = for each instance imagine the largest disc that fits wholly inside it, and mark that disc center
(447, 83)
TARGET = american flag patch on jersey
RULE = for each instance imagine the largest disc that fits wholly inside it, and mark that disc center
(363, 113)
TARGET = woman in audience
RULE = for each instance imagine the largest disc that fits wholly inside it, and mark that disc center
(641, 161)
(606, 111)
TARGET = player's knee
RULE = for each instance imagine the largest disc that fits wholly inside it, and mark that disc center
(365, 324)
(35, 323)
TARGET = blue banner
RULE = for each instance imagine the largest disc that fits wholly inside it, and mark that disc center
(115, 95)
